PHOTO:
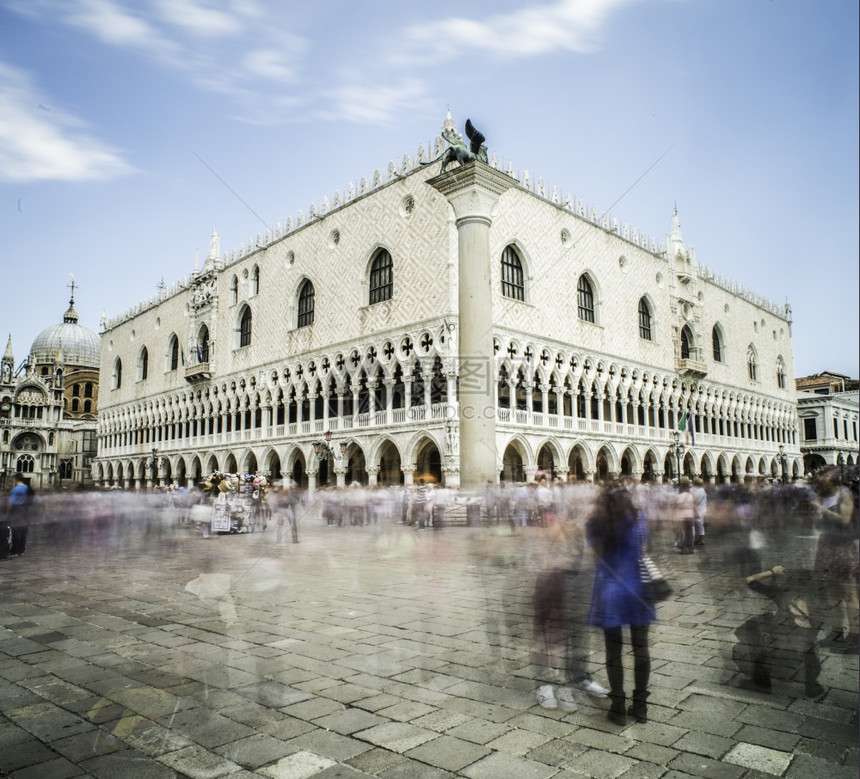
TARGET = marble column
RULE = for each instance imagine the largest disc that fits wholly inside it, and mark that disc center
(473, 190)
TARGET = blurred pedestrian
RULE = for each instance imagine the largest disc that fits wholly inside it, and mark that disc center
(617, 534)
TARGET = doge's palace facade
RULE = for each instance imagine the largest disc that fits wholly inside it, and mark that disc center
(346, 319)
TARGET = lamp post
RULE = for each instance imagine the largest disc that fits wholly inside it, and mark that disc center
(678, 449)
(325, 453)
(783, 461)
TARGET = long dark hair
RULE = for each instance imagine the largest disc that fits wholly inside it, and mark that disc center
(613, 515)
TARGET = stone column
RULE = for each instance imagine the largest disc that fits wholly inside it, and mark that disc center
(372, 475)
(472, 190)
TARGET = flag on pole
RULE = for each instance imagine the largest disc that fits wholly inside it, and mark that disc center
(686, 424)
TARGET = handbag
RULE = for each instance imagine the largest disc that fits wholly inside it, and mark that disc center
(655, 586)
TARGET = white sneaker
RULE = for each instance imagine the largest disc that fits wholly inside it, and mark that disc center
(546, 697)
(592, 688)
(565, 699)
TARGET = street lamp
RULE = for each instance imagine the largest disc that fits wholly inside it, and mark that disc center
(326, 454)
(783, 462)
(678, 449)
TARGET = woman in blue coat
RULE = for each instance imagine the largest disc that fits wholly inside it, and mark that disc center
(617, 534)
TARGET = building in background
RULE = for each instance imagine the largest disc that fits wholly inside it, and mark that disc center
(827, 408)
(49, 406)
(613, 353)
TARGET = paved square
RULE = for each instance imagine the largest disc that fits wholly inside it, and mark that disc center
(373, 651)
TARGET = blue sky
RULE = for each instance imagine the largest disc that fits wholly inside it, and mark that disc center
(107, 108)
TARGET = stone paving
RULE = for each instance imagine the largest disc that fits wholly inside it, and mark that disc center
(364, 652)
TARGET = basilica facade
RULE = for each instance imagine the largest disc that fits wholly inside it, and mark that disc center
(609, 353)
(49, 407)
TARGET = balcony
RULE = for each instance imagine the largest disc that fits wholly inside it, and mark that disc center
(692, 367)
(197, 373)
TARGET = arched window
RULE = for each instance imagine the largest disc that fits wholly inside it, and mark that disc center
(75, 405)
(76, 390)
(752, 364)
(245, 327)
(512, 275)
(234, 290)
(585, 299)
(381, 278)
(174, 352)
(203, 345)
(686, 341)
(88, 406)
(255, 280)
(88, 390)
(143, 364)
(117, 373)
(717, 344)
(25, 464)
(306, 304)
(780, 373)
(644, 319)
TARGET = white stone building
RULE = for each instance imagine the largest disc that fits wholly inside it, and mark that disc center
(348, 319)
(827, 407)
(49, 406)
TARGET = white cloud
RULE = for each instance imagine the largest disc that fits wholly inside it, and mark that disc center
(198, 18)
(572, 25)
(41, 145)
(269, 64)
(374, 103)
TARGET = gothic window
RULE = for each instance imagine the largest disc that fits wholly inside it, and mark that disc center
(644, 320)
(245, 327)
(203, 345)
(686, 339)
(174, 352)
(234, 290)
(143, 365)
(752, 364)
(512, 275)
(25, 464)
(717, 344)
(381, 278)
(255, 280)
(117, 373)
(306, 304)
(585, 299)
(780, 373)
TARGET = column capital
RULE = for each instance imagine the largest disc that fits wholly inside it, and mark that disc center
(472, 189)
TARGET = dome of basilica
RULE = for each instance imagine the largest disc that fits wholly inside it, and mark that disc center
(81, 347)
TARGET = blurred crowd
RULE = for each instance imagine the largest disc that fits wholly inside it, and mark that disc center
(560, 561)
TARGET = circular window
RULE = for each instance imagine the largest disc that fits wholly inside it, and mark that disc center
(407, 206)
(333, 239)
(565, 237)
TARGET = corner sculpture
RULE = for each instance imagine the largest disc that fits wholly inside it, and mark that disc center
(458, 151)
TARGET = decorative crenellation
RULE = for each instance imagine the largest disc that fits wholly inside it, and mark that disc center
(783, 312)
